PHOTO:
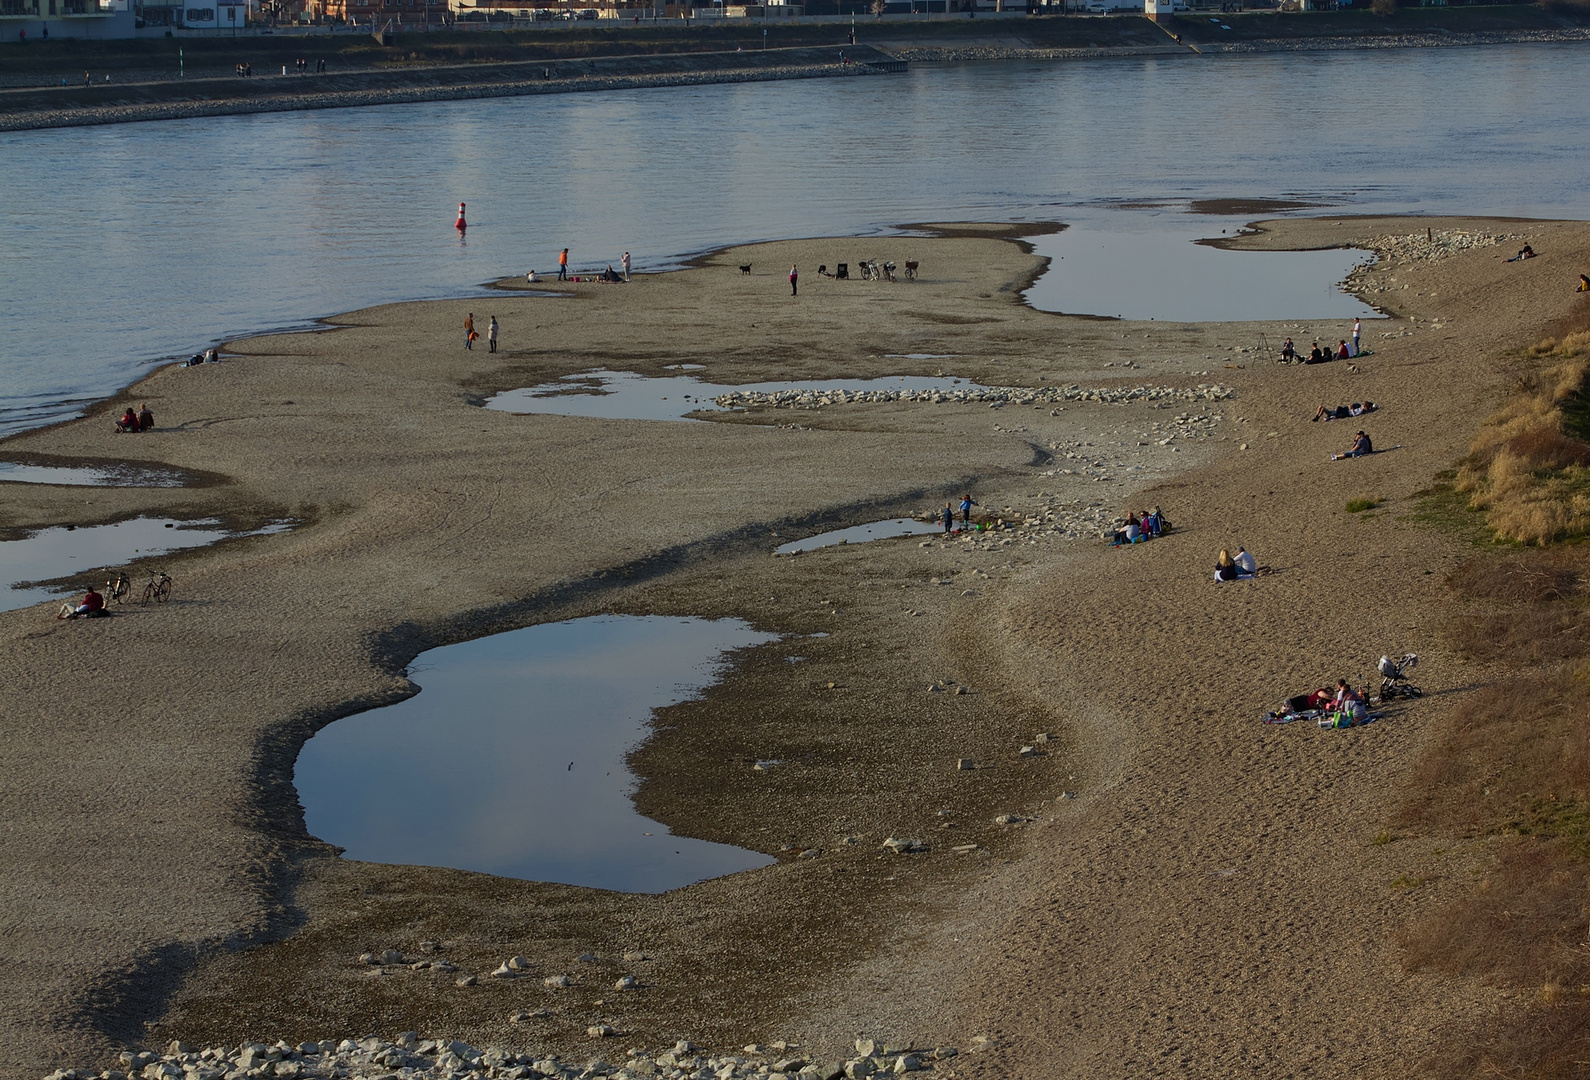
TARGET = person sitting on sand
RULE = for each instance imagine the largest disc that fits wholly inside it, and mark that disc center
(1348, 708)
(146, 418)
(1288, 351)
(1315, 356)
(1341, 350)
(531, 277)
(1361, 446)
(128, 421)
(1584, 283)
(1526, 252)
(1246, 563)
(610, 275)
(93, 606)
(1226, 567)
(1130, 533)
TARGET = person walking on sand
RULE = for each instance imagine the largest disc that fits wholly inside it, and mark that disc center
(1358, 329)
(624, 262)
(794, 277)
(967, 502)
(949, 517)
(563, 265)
(491, 335)
(469, 331)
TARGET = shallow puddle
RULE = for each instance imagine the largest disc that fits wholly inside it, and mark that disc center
(626, 395)
(511, 759)
(857, 534)
(86, 552)
(1136, 265)
(90, 475)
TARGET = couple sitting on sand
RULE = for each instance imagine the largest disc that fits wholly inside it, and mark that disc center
(1243, 566)
(142, 420)
(92, 607)
(1137, 529)
(1343, 708)
(1342, 412)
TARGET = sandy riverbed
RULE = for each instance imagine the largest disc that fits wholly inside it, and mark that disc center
(1208, 902)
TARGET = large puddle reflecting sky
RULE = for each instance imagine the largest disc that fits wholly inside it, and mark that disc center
(510, 760)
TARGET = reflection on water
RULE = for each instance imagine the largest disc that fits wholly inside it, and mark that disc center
(90, 475)
(50, 554)
(1148, 266)
(1479, 131)
(511, 761)
(625, 395)
(856, 534)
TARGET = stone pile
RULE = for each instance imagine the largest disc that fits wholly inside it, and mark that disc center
(1434, 247)
(962, 395)
(408, 1057)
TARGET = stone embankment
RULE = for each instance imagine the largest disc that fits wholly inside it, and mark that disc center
(408, 1057)
(993, 396)
(928, 54)
(1424, 40)
(80, 106)
(1378, 277)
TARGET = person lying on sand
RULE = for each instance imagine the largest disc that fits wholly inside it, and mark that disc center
(1342, 412)
(1526, 252)
(1361, 446)
(93, 606)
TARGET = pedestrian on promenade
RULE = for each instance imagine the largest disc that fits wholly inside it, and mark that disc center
(563, 265)
(967, 502)
(948, 517)
(1358, 328)
(491, 335)
(469, 331)
(624, 262)
(794, 277)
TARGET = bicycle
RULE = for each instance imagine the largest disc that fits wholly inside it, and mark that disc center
(158, 589)
(118, 588)
(911, 266)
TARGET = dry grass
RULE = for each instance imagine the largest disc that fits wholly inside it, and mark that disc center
(1529, 466)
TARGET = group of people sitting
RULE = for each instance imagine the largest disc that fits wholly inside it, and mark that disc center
(1230, 567)
(1342, 412)
(142, 420)
(1343, 707)
(208, 356)
(1345, 350)
(1152, 523)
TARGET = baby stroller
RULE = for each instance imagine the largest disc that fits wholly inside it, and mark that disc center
(1394, 677)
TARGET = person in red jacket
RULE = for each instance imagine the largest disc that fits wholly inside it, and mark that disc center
(93, 605)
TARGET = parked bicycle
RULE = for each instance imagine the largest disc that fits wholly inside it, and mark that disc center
(888, 271)
(117, 589)
(911, 268)
(158, 589)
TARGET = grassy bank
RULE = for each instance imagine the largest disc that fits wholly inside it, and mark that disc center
(1512, 766)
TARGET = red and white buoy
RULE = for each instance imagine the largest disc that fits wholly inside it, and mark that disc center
(460, 224)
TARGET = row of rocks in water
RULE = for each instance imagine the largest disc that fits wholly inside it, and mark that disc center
(292, 102)
(1433, 246)
(408, 1056)
(992, 395)
(1426, 40)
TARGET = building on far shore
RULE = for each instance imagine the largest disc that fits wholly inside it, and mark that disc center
(35, 20)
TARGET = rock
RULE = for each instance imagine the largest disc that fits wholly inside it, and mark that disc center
(1042, 737)
(176, 1046)
(519, 963)
(635, 957)
(585, 958)
(903, 847)
(557, 982)
(626, 982)
(961, 690)
(943, 1052)
(1009, 819)
(907, 1063)
(789, 1065)
(866, 1047)
(465, 980)
(809, 853)
(369, 958)
(599, 1031)
(503, 971)
(430, 947)
(391, 956)
(965, 764)
(1027, 751)
(859, 1068)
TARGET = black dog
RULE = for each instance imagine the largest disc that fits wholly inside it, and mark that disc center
(746, 269)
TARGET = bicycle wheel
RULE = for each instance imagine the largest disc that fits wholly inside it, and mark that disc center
(149, 593)
(163, 591)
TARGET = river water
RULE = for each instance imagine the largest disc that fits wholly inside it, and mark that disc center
(125, 245)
